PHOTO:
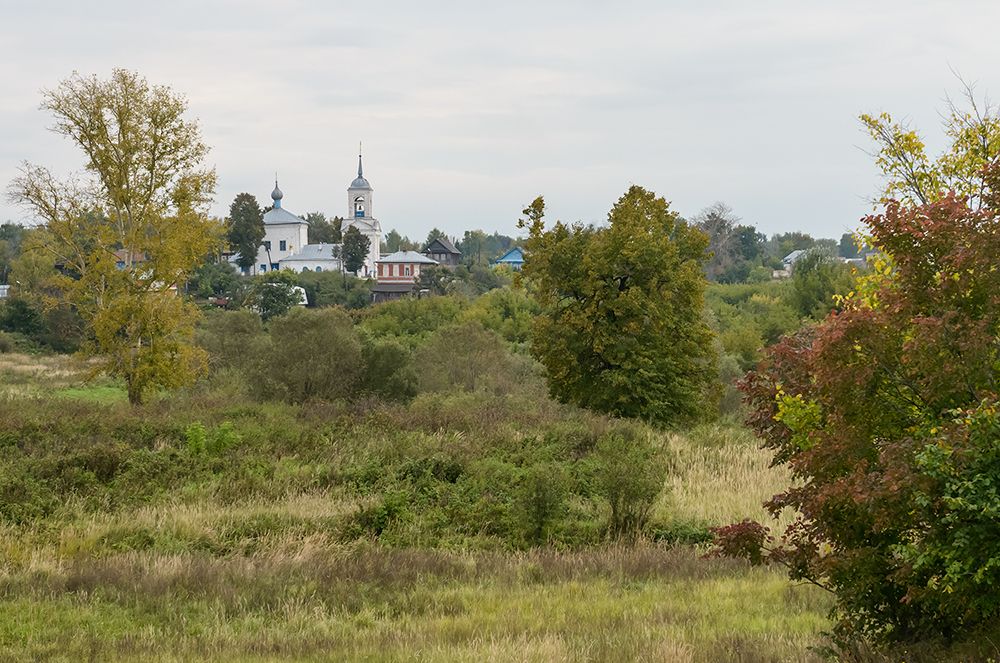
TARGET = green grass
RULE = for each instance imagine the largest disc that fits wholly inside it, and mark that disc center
(94, 393)
(122, 539)
(372, 604)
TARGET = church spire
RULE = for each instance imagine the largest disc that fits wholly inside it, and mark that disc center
(360, 174)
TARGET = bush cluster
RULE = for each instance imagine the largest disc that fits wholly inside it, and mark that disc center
(468, 469)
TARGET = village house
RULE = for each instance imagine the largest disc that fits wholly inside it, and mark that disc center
(397, 275)
(514, 258)
(443, 252)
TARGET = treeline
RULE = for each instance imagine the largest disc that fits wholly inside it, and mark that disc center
(739, 253)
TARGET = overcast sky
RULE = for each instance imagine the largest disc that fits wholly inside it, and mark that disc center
(469, 111)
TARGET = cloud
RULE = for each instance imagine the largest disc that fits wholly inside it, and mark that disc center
(468, 111)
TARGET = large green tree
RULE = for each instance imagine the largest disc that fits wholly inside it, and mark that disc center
(355, 250)
(132, 227)
(622, 328)
(323, 230)
(245, 230)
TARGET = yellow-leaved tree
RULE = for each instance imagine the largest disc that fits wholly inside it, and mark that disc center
(127, 231)
(913, 177)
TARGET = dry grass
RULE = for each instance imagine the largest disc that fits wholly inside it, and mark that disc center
(364, 603)
(721, 476)
(198, 575)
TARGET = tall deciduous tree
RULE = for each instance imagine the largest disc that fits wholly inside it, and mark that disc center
(246, 229)
(323, 230)
(130, 228)
(355, 249)
(621, 329)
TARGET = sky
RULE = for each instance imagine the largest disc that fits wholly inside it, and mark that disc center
(467, 111)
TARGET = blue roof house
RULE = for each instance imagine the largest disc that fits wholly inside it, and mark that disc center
(514, 258)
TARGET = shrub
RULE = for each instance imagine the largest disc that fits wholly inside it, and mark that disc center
(411, 321)
(310, 354)
(230, 337)
(507, 311)
(463, 357)
(388, 370)
(629, 475)
(541, 499)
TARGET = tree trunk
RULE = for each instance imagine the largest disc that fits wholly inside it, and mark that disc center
(134, 391)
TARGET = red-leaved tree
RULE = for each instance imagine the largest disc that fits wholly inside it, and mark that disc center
(887, 414)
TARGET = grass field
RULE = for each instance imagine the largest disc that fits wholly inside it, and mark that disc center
(202, 571)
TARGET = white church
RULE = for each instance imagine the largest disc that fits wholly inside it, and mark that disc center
(286, 236)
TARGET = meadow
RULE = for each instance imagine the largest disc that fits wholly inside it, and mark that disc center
(210, 526)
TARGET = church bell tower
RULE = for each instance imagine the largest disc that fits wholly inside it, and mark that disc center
(359, 195)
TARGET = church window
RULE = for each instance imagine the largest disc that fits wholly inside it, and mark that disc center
(263, 268)
(318, 268)
(281, 245)
(267, 245)
(274, 266)
(407, 268)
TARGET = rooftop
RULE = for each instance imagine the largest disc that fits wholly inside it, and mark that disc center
(315, 252)
(445, 244)
(407, 257)
(279, 215)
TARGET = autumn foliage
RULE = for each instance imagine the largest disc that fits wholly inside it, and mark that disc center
(887, 415)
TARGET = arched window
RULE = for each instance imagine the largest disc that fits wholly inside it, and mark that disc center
(318, 268)
(359, 206)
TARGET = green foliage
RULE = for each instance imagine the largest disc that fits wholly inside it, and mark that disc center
(200, 440)
(335, 289)
(433, 235)
(134, 231)
(507, 311)
(817, 279)
(214, 279)
(469, 282)
(885, 413)
(621, 329)
(11, 239)
(355, 249)
(18, 315)
(230, 337)
(542, 499)
(274, 294)
(310, 354)
(848, 247)
(396, 242)
(411, 320)
(388, 371)
(323, 230)
(629, 475)
(465, 357)
(734, 250)
(781, 244)
(478, 248)
(245, 229)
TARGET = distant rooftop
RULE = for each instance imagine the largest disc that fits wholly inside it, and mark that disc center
(408, 257)
(313, 252)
